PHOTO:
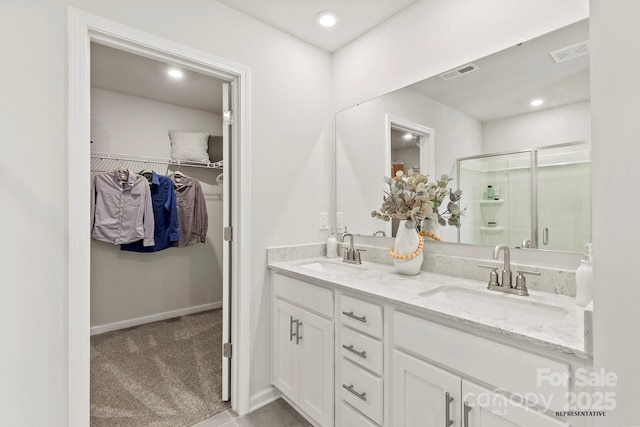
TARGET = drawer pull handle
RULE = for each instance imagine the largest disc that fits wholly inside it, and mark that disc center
(362, 395)
(467, 409)
(298, 336)
(350, 348)
(447, 409)
(291, 333)
(362, 319)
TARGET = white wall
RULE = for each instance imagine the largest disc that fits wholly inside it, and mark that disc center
(361, 156)
(433, 36)
(290, 127)
(569, 123)
(129, 285)
(615, 90)
(128, 124)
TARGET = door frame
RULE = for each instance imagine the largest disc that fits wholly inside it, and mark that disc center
(426, 144)
(83, 28)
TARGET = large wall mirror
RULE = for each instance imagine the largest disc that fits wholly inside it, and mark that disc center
(517, 120)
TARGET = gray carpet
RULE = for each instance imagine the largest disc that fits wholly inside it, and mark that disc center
(162, 374)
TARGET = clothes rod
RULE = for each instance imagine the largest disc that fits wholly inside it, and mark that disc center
(156, 160)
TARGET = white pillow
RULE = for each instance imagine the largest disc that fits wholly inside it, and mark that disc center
(189, 146)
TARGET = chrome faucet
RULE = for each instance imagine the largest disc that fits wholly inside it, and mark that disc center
(506, 270)
(506, 285)
(351, 254)
(344, 233)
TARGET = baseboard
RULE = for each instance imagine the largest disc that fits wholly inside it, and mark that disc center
(123, 324)
(263, 398)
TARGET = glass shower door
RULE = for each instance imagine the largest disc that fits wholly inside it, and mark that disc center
(501, 214)
(564, 197)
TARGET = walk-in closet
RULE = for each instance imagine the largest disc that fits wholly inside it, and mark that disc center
(157, 254)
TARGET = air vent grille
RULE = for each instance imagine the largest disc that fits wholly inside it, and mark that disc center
(465, 69)
(571, 52)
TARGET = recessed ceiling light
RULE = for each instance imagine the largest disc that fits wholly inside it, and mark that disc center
(327, 18)
(175, 73)
(407, 136)
(537, 102)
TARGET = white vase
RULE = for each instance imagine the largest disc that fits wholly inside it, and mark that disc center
(406, 242)
(430, 225)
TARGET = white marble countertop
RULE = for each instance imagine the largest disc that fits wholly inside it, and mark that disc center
(566, 334)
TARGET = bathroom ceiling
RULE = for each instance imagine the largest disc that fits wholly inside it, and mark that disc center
(298, 17)
(123, 72)
(516, 76)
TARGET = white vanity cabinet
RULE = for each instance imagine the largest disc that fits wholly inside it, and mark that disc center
(423, 394)
(485, 408)
(436, 371)
(345, 358)
(427, 396)
(302, 346)
(360, 362)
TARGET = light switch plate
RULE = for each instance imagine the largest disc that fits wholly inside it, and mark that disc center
(339, 224)
(324, 221)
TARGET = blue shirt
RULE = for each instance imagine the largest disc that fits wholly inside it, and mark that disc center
(165, 214)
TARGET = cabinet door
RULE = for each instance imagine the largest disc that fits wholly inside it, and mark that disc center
(315, 337)
(489, 409)
(285, 350)
(419, 393)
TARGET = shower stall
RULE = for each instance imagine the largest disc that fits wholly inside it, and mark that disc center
(537, 198)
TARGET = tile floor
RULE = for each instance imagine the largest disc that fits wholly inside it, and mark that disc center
(275, 414)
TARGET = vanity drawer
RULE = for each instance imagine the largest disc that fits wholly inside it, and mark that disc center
(315, 298)
(361, 349)
(361, 315)
(349, 417)
(507, 368)
(361, 390)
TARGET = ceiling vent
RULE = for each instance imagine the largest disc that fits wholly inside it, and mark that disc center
(465, 69)
(570, 52)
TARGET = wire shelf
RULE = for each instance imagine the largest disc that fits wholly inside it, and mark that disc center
(113, 160)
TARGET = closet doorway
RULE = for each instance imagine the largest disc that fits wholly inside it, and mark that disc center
(86, 30)
(157, 308)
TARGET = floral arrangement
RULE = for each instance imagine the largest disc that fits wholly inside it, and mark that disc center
(412, 197)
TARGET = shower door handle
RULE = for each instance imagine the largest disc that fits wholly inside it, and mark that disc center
(545, 236)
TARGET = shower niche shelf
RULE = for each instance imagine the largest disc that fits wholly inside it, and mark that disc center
(492, 230)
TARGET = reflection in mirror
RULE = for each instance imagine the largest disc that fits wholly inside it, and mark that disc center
(564, 197)
(497, 197)
(479, 108)
(410, 148)
(538, 198)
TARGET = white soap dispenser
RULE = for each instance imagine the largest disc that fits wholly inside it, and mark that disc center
(584, 279)
(332, 246)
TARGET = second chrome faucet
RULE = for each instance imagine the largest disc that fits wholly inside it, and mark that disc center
(506, 270)
(506, 276)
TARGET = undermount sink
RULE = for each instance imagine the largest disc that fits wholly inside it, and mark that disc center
(332, 267)
(509, 308)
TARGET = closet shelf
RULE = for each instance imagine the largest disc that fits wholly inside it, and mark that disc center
(156, 160)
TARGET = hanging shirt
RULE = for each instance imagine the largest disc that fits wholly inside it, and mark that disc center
(122, 211)
(165, 214)
(192, 211)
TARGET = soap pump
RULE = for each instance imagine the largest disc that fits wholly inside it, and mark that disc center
(332, 246)
(584, 278)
